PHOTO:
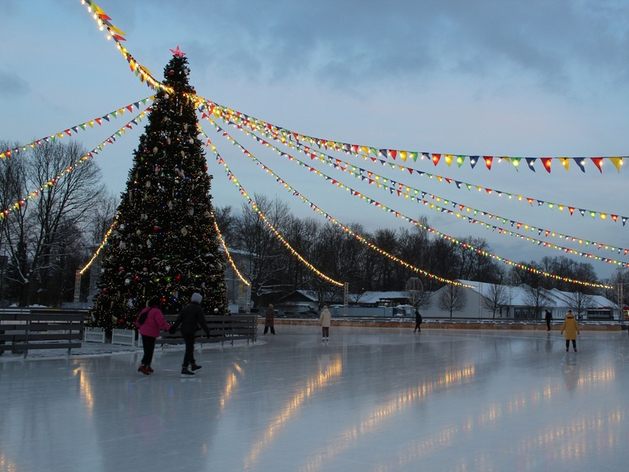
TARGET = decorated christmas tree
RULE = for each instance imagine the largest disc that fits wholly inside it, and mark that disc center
(163, 241)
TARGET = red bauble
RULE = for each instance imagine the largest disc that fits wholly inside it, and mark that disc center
(171, 72)
(156, 228)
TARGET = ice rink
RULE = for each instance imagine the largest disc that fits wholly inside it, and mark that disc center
(369, 400)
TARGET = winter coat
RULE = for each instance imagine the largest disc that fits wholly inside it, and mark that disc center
(269, 319)
(325, 318)
(154, 322)
(190, 319)
(418, 317)
(570, 326)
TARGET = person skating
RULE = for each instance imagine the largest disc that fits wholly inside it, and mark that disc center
(269, 319)
(549, 318)
(326, 320)
(150, 321)
(418, 321)
(571, 327)
(190, 319)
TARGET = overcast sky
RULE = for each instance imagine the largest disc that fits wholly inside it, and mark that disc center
(499, 78)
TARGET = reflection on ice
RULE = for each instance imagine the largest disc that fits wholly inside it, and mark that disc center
(372, 400)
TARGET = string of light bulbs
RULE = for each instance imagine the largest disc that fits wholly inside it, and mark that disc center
(74, 129)
(279, 134)
(90, 155)
(408, 192)
(263, 217)
(367, 199)
(104, 22)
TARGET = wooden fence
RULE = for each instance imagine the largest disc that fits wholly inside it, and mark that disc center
(28, 329)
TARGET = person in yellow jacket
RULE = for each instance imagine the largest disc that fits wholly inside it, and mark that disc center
(571, 327)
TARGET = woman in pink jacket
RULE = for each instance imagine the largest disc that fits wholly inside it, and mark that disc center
(150, 321)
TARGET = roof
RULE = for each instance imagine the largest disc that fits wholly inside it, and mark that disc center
(519, 295)
(376, 297)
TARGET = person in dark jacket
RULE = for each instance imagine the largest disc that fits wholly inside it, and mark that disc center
(190, 319)
(269, 319)
(418, 321)
(549, 318)
(150, 321)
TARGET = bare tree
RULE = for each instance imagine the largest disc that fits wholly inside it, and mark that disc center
(495, 298)
(100, 217)
(267, 256)
(13, 225)
(46, 232)
(537, 298)
(579, 302)
(452, 298)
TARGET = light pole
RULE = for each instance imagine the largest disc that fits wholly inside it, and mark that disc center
(3, 262)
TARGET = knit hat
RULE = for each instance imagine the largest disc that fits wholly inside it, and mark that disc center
(196, 298)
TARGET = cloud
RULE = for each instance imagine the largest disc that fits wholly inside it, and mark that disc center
(12, 85)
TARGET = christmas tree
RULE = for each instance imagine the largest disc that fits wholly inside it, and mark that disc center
(164, 242)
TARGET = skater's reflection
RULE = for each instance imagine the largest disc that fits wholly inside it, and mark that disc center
(570, 373)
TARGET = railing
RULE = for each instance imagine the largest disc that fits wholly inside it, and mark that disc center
(222, 329)
(25, 330)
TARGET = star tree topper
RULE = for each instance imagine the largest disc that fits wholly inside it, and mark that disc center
(177, 52)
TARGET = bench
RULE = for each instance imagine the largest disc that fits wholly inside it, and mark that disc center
(222, 329)
(25, 330)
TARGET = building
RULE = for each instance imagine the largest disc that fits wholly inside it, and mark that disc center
(521, 303)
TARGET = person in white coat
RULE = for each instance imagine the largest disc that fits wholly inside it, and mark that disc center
(325, 319)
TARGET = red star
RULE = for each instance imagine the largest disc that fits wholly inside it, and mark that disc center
(177, 52)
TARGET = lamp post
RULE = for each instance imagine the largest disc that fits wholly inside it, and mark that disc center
(3, 263)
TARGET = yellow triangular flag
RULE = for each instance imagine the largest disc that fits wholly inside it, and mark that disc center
(617, 161)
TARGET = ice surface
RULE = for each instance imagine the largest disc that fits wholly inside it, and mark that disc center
(369, 400)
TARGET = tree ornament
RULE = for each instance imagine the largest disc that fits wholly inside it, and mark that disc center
(178, 52)
(175, 264)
